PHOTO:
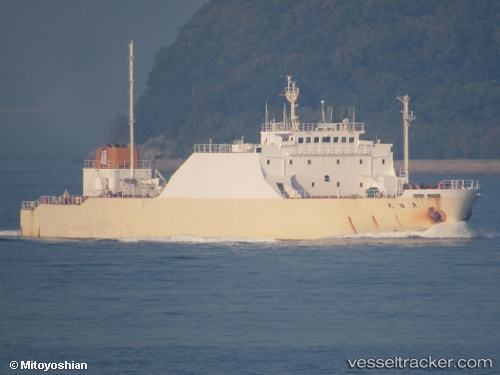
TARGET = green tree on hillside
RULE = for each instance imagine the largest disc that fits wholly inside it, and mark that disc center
(232, 56)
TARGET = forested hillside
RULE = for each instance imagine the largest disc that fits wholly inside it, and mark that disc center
(233, 55)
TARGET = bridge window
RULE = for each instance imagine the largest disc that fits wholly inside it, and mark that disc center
(336, 139)
(351, 139)
(316, 139)
(301, 140)
(325, 139)
(344, 139)
(308, 139)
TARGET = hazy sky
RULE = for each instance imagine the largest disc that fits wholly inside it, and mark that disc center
(64, 69)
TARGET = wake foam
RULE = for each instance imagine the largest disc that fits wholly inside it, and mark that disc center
(460, 230)
(10, 233)
(195, 239)
(439, 231)
(449, 230)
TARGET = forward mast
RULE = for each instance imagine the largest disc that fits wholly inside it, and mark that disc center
(131, 105)
(407, 118)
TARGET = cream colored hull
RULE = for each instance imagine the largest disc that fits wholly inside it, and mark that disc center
(290, 219)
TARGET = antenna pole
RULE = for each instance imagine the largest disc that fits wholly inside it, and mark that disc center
(131, 105)
(407, 117)
(323, 118)
(266, 120)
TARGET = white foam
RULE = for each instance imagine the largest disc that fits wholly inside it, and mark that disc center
(441, 230)
(10, 233)
(449, 230)
(195, 239)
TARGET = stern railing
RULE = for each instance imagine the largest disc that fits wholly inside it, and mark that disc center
(47, 199)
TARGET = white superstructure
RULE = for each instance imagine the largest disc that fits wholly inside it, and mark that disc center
(293, 160)
(302, 181)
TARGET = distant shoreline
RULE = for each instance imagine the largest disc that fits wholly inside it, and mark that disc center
(458, 166)
(429, 166)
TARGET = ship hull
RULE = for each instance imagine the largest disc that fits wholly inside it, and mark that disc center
(284, 219)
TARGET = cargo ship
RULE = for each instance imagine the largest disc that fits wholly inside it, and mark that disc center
(303, 181)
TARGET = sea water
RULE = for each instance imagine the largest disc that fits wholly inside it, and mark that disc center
(235, 306)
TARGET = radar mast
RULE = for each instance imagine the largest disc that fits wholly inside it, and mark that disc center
(291, 94)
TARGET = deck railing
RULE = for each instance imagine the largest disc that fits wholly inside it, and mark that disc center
(302, 194)
(273, 126)
(96, 164)
(224, 148)
(74, 200)
(213, 148)
(459, 184)
(47, 199)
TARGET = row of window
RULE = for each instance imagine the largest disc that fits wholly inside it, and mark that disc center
(326, 139)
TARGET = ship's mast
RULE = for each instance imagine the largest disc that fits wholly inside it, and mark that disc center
(131, 105)
(407, 117)
(292, 93)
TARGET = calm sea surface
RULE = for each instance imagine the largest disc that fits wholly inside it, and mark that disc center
(198, 306)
